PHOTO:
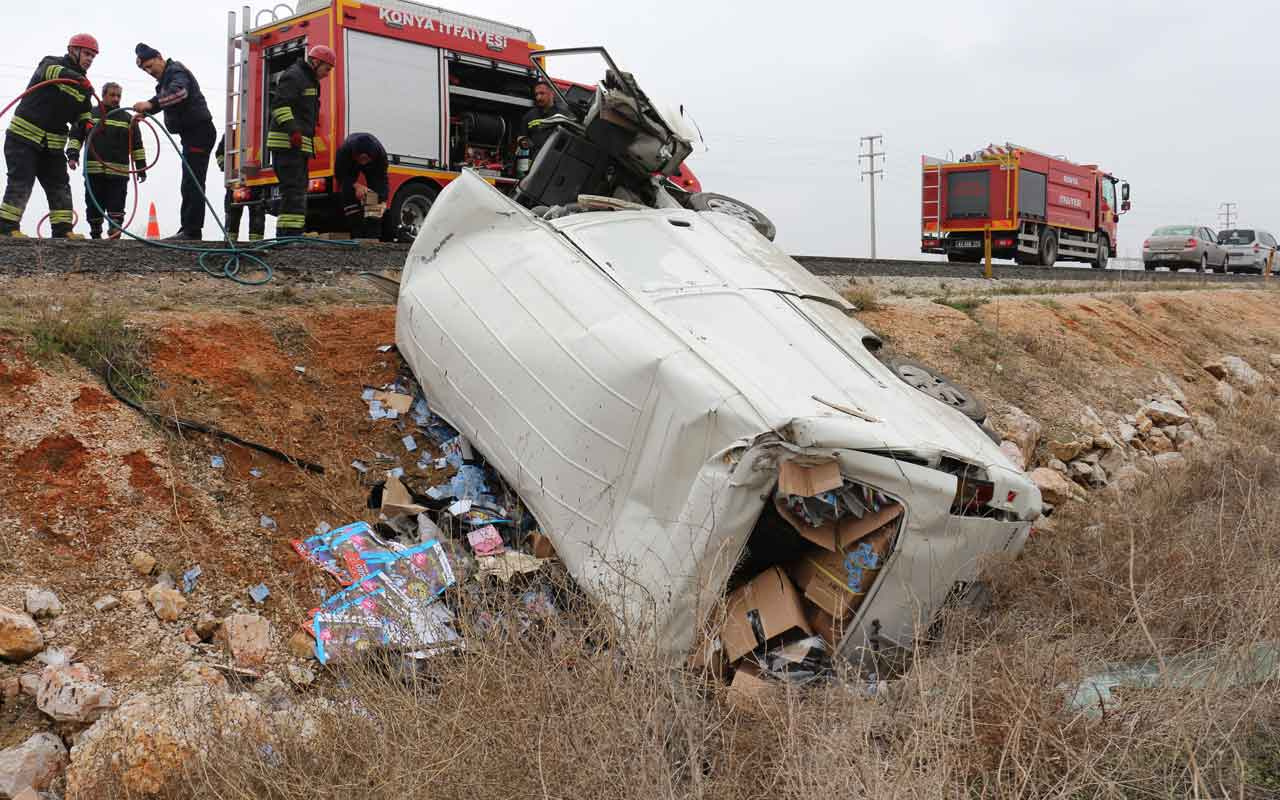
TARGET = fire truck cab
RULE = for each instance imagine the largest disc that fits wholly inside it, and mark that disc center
(441, 90)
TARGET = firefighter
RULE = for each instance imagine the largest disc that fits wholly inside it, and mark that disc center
(295, 108)
(186, 114)
(361, 154)
(107, 157)
(44, 138)
(257, 212)
(545, 105)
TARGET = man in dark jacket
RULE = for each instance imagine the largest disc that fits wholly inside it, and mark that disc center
(186, 115)
(361, 154)
(233, 212)
(44, 138)
(545, 105)
(115, 143)
(295, 111)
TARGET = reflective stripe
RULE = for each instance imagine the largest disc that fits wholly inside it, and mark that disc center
(107, 168)
(52, 72)
(116, 123)
(57, 217)
(85, 117)
(72, 144)
(36, 136)
(282, 114)
(140, 155)
(10, 213)
(310, 92)
(255, 237)
(291, 220)
(79, 96)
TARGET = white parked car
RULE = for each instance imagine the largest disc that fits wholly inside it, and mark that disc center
(640, 375)
(1248, 249)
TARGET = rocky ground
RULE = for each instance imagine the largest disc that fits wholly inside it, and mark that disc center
(105, 513)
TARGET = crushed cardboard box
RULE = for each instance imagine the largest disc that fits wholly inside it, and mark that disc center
(837, 582)
(396, 500)
(766, 608)
(808, 480)
(840, 535)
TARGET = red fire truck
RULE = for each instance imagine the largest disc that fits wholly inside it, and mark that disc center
(1039, 209)
(441, 90)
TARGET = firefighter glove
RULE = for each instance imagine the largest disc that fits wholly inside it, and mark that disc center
(295, 140)
(142, 176)
(73, 162)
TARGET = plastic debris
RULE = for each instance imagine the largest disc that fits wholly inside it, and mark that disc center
(375, 410)
(259, 593)
(460, 507)
(217, 462)
(486, 541)
(300, 370)
(267, 522)
(323, 528)
(409, 443)
(367, 395)
(386, 348)
(360, 466)
(190, 577)
(255, 472)
(441, 463)
(508, 564)
(398, 472)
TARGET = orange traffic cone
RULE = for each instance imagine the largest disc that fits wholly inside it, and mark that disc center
(153, 224)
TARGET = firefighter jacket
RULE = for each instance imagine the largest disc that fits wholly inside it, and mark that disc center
(56, 116)
(346, 169)
(178, 94)
(117, 141)
(295, 106)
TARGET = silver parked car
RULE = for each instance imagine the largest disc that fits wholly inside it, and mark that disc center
(1248, 249)
(1184, 246)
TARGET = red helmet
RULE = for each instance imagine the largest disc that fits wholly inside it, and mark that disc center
(324, 55)
(85, 42)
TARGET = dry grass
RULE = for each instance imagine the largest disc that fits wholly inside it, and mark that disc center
(864, 298)
(1186, 564)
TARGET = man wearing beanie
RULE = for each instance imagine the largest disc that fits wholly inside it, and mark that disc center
(186, 114)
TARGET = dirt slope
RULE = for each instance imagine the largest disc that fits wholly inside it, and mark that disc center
(85, 482)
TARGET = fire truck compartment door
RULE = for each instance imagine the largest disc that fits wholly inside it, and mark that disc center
(393, 92)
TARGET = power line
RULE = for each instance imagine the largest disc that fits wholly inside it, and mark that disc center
(871, 172)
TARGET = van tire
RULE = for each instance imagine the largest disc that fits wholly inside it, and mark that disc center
(710, 201)
(938, 386)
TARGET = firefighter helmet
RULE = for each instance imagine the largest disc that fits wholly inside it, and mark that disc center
(85, 42)
(324, 55)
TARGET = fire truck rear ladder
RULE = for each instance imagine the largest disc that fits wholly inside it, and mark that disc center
(237, 119)
(932, 206)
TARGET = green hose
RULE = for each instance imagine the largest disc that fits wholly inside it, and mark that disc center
(236, 256)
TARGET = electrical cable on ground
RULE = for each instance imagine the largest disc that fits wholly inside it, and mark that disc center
(235, 256)
(179, 424)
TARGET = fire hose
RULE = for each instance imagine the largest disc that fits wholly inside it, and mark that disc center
(234, 256)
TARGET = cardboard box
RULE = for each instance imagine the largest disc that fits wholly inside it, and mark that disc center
(840, 535)
(749, 689)
(838, 582)
(808, 480)
(761, 611)
(541, 545)
(828, 627)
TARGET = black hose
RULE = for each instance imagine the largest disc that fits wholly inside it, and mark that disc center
(179, 424)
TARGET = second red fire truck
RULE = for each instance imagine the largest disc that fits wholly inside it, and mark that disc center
(1038, 209)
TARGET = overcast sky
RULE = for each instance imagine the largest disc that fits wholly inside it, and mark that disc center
(1174, 97)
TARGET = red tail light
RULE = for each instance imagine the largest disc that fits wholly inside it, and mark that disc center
(1257, 248)
(317, 185)
(1146, 245)
(1191, 243)
(242, 195)
(1004, 243)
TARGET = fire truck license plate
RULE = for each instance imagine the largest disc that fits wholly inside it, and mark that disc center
(968, 243)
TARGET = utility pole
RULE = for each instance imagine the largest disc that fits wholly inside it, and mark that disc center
(871, 171)
(1226, 216)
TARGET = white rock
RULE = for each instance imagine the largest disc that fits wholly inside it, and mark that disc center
(42, 604)
(1225, 394)
(1164, 412)
(1127, 433)
(1010, 450)
(1237, 372)
(1054, 486)
(106, 603)
(57, 656)
(73, 693)
(1168, 386)
(31, 765)
(1022, 429)
(249, 638)
(1091, 423)
(20, 637)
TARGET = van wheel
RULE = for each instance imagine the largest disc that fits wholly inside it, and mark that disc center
(1104, 253)
(409, 211)
(1048, 249)
(939, 387)
(710, 201)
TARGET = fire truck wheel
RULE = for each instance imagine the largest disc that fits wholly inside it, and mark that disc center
(1104, 253)
(710, 201)
(409, 210)
(938, 386)
(1048, 249)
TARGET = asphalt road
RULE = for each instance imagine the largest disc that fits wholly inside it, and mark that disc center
(45, 256)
